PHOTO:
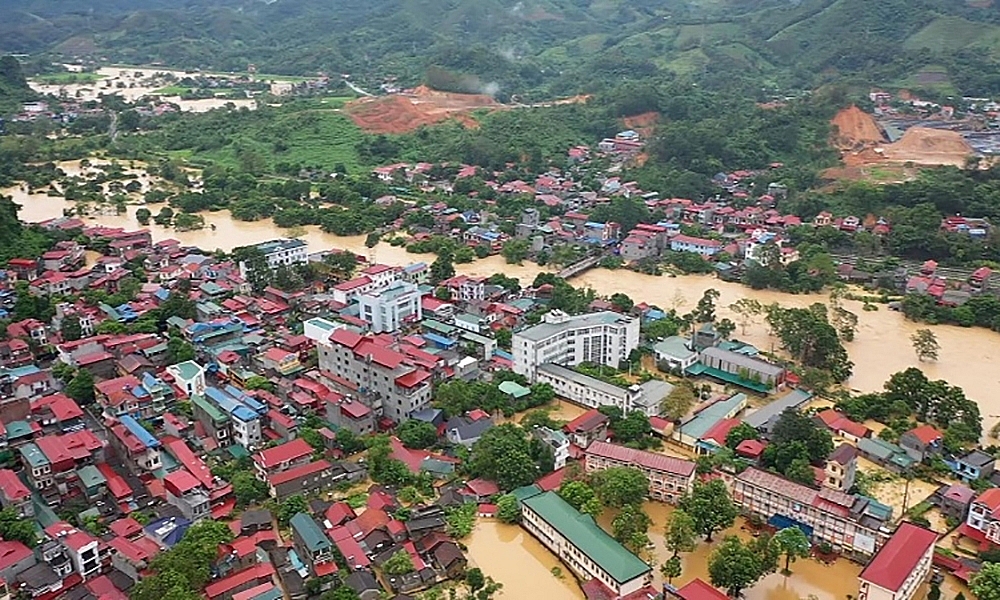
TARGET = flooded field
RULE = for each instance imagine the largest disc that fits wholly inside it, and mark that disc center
(132, 83)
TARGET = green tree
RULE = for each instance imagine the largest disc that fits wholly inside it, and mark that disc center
(799, 470)
(399, 563)
(704, 312)
(179, 350)
(259, 382)
(620, 486)
(810, 338)
(734, 566)
(925, 344)
(143, 215)
(474, 579)
(248, 489)
(632, 428)
(508, 510)
(70, 329)
(576, 493)
(793, 543)
(671, 568)
(81, 387)
(341, 592)
(515, 251)
(16, 529)
(679, 535)
(291, 506)
(417, 434)
(630, 527)
(503, 336)
(622, 302)
(986, 583)
(503, 455)
(442, 268)
(679, 401)
(741, 433)
(710, 507)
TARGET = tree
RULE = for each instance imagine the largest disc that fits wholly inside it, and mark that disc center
(81, 387)
(619, 486)
(741, 433)
(680, 533)
(70, 329)
(515, 251)
(925, 344)
(417, 434)
(248, 489)
(622, 302)
(290, 507)
(810, 338)
(399, 563)
(143, 215)
(259, 382)
(179, 350)
(710, 507)
(503, 336)
(16, 529)
(799, 470)
(474, 579)
(630, 526)
(725, 327)
(634, 427)
(679, 401)
(986, 583)
(793, 543)
(793, 426)
(503, 455)
(576, 493)
(508, 510)
(442, 268)
(341, 592)
(671, 568)
(734, 566)
(704, 312)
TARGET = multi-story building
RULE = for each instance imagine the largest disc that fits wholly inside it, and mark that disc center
(851, 524)
(244, 414)
(840, 468)
(582, 545)
(189, 376)
(80, 545)
(187, 494)
(37, 467)
(669, 478)
(465, 288)
(686, 243)
(306, 479)
(281, 458)
(313, 545)
(14, 494)
(590, 392)
(384, 378)
(589, 427)
(281, 252)
(147, 398)
(900, 566)
(135, 446)
(388, 309)
(216, 423)
(556, 441)
(605, 338)
(983, 522)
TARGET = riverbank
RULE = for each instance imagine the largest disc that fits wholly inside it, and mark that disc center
(881, 346)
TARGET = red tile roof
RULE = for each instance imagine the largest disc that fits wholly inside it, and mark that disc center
(180, 482)
(899, 556)
(413, 378)
(12, 553)
(338, 513)
(588, 421)
(650, 460)
(354, 410)
(116, 483)
(482, 487)
(991, 500)
(13, 488)
(73, 538)
(349, 547)
(552, 481)
(925, 433)
(298, 472)
(130, 550)
(837, 422)
(262, 571)
(696, 589)
(126, 527)
(718, 432)
(191, 461)
(346, 337)
(287, 452)
(751, 448)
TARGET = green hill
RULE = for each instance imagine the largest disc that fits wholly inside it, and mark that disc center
(14, 88)
(543, 47)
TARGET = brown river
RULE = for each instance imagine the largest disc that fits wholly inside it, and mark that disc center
(509, 555)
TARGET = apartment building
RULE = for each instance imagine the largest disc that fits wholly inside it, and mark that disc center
(669, 478)
(605, 338)
(900, 566)
(385, 378)
(590, 392)
(582, 545)
(851, 524)
(389, 309)
(281, 252)
(245, 414)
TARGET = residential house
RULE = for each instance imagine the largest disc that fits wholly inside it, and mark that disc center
(313, 545)
(135, 446)
(954, 501)
(675, 354)
(886, 454)
(467, 429)
(900, 567)
(186, 493)
(696, 589)
(556, 441)
(983, 522)
(669, 478)
(350, 414)
(81, 547)
(227, 587)
(589, 427)
(189, 376)
(306, 479)
(840, 468)
(15, 495)
(974, 465)
(704, 247)
(922, 442)
(282, 362)
(281, 458)
(391, 308)
(839, 425)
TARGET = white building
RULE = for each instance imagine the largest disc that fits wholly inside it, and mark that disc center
(593, 393)
(319, 329)
(557, 441)
(387, 310)
(189, 376)
(605, 338)
(281, 252)
(900, 566)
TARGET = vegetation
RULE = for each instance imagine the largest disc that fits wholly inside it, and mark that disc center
(925, 344)
(618, 487)
(736, 565)
(710, 507)
(793, 543)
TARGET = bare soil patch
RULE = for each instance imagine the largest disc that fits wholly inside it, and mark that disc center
(926, 146)
(855, 128)
(401, 113)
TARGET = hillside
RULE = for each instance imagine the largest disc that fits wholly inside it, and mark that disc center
(13, 87)
(547, 47)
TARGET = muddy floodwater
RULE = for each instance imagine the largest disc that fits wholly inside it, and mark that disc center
(881, 347)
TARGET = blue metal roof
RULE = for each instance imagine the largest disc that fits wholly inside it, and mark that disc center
(140, 432)
(254, 404)
(230, 405)
(439, 340)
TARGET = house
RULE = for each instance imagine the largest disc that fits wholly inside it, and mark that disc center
(983, 523)
(15, 558)
(305, 479)
(675, 354)
(841, 426)
(764, 418)
(696, 589)
(557, 442)
(954, 501)
(313, 545)
(465, 430)
(186, 493)
(227, 587)
(80, 545)
(589, 427)
(364, 585)
(586, 549)
(669, 478)
(886, 454)
(705, 431)
(974, 465)
(686, 243)
(189, 376)
(14, 494)
(900, 567)
(252, 521)
(922, 442)
(282, 362)
(840, 468)
(751, 450)
(281, 458)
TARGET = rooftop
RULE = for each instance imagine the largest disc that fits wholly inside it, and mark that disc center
(549, 328)
(287, 452)
(312, 536)
(649, 460)
(584, 534)
(763, 415)
(894, 562)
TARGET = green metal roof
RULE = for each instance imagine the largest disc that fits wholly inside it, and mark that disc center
(479, 339)
(33, 455)
(583, 532)
(188, 369)
(528, 491)
(91, 477)
(437, 326)
(237, 451)
(310, 533)
(729, 378)
(16, 429)
(209, 408)
(514, 389)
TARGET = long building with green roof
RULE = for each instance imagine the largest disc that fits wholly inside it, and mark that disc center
(582, 545)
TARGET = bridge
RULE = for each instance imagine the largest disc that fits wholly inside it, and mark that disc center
(580, 266)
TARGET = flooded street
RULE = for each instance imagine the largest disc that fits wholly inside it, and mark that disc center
(132, 83)
(881, 347)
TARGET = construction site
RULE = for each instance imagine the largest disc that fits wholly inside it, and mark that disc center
(412, 109)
